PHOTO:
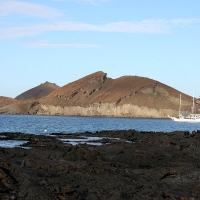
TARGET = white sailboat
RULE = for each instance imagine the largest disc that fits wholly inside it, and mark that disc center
(187, 117)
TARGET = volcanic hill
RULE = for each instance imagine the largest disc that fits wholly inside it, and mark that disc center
(39, 91)
(98, 95)
(4, 101)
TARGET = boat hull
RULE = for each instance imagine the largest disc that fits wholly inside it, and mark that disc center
(185, 120)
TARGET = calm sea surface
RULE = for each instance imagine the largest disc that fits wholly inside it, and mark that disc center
(56, 124)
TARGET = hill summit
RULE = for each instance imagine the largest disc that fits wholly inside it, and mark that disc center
(41, 90)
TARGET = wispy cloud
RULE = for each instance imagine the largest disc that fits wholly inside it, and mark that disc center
(94, 2)
(18, 7)
(149, 26)
(185, 22)
(50, 45)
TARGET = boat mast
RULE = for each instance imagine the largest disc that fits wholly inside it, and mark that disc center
(180, 107)
(193, 104)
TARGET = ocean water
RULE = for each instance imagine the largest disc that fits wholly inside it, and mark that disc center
(33, 124)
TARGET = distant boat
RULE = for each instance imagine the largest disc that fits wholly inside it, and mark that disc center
(186, 117)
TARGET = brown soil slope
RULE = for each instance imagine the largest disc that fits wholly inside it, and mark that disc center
(41, 90)
(79, 92)
(97, 88)
(4, 101)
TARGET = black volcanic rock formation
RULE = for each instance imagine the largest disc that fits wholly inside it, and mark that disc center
(149, 166)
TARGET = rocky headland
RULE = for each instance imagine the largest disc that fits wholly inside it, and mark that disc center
(128, 165)
(99, 95)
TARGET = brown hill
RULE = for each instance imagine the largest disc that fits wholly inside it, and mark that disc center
(97, 95)
(4, 101)
(97, 88)
(129, 96)
(39, 91)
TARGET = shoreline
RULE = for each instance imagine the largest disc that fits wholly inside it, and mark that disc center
(97, 116)
(149, 166)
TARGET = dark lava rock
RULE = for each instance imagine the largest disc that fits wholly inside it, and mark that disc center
(149, 166)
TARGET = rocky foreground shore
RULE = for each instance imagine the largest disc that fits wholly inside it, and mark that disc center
(128, 165)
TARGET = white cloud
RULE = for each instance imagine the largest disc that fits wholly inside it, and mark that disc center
(146, 26)
(149, 26)
(94, 2)
(18, 7)
(185, 22)
(49, 45)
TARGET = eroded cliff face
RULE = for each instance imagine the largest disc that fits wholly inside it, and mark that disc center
(97, 95)
(104, 109)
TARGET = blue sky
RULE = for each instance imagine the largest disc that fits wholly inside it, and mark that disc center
(63, 40)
